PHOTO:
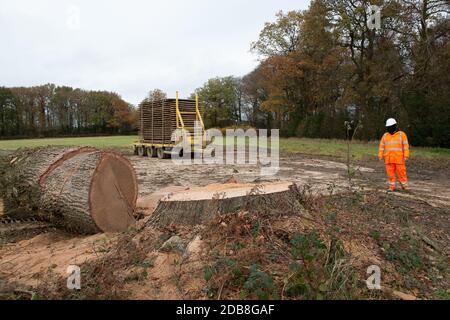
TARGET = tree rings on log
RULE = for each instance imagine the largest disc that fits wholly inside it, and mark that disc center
(113, 193)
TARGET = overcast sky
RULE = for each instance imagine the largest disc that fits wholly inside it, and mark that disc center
(132, 46)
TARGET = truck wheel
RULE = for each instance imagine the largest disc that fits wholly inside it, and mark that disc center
(153, 152)
(160, 153)
(142, 151)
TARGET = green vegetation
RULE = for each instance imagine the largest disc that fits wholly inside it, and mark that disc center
(318, 272)
(99, 142)
(136, 276)
(405, 252)
(441, 294)
(337, 148)
(259, 284)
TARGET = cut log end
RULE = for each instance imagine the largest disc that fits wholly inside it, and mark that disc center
(113, 194)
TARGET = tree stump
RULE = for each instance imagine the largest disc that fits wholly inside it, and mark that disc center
(81, 189)
(199, 205)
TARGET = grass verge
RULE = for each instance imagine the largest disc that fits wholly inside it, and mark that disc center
(323, 147)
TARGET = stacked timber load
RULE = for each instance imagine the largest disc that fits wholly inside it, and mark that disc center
(157, 122)
(79, 188)
(158, 119)
(187, 110)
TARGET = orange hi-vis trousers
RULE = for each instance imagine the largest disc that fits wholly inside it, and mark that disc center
(394, 148)
(393, 170)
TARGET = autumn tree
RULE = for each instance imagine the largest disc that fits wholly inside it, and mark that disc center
(123, 117)
(50, 110)
(326, 65)
(220, 99)
(426, 94)
(7, 112)
(280, 37)
(156, 95)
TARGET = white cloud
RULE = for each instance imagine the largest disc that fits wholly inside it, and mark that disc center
(130, 46)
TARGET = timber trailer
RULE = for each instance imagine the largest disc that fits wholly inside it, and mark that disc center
(161, 122)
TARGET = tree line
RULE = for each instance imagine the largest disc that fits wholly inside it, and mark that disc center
(51, 110)
(318, 69)
(328, 64)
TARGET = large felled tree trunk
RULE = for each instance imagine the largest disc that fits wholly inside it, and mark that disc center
(82, 189)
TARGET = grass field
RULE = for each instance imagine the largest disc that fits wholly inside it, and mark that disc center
(99, 142)
(336, 148)
(359, 149)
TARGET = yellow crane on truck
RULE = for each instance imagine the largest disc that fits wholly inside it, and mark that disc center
(165, 123)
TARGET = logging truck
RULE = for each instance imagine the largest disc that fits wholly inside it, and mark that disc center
(162, 124)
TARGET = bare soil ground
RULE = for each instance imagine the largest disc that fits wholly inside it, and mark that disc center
(323, 251)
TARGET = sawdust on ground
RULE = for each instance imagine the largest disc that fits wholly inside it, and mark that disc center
(28, 261)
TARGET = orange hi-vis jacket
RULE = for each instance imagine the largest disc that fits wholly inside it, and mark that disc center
(394, 148)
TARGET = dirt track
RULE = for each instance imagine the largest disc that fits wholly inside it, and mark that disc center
(154, 174)
(322, 174)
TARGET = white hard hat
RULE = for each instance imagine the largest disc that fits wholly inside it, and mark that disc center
(390, 122)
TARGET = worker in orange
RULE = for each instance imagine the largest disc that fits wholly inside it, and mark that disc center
(394, 148)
